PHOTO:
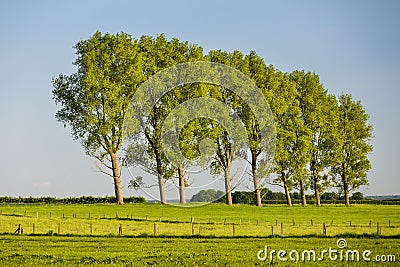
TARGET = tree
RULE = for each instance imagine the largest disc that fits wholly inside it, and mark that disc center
(94, 100)
(226, 149)
(319, 113)
(351, 168)
(159, 54)
(260, 151)
(292, 137)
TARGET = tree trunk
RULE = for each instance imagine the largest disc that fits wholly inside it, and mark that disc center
(316, 189)
(161, 182)
(303, 192)
(181, 174)
(345, 185)
(256, 181)
(117, 179)
(227, 172)
(286, 187)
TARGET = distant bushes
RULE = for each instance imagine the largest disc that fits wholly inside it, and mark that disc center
(69, 200)
(270, 197)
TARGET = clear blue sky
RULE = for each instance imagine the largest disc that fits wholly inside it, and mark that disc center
(353, 46)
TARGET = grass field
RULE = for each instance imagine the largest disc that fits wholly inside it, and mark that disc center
(220, 235)
(210, 220)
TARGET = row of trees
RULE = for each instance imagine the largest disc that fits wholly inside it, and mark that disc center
(245, 197)
(321, 140)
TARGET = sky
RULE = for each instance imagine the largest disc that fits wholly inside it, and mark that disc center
(354, 46)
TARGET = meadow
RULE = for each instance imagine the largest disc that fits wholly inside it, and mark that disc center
(211, 235)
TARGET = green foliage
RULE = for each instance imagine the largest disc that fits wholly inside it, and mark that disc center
(352, 165)
(69, 200)
(209, 195)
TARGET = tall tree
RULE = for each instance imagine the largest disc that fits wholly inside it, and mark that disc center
(160, 53)
(94, 100)
(226, 150)
(355, 134)
(292, 137)
(260, 151)
(319, 113)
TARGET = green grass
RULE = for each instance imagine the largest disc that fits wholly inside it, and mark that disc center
(197, 251)
(212, 244)
(210, 220)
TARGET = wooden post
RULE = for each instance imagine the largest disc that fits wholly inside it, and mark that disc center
(199, 230)
(281, 228)
(146, 217)
(120, 229)
(276, 222)
(91, 229)
(370, 224)
(25, 213)
(116, 215)
(377, 228)
(272, 230)
(191, 219)
(312, 224)
(233, 229)
(50, 214)
(240, 221)
(324, 229)
(331, 222)
(350, 223)
(192, 229)
(63, 215)
(224, 221)
(33, 228)
(155, 229)
(257, 223)
(58, 228)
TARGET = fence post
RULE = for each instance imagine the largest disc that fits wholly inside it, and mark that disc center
(377, 228)
(120, 229)
(257, 223)
(116, 215)
(58, 228)
(33, 228)
(240, 221)
(233, 229)
(155, 229)
(50, 214)
(370, 224)
(324, 229)
(192, 229)
(312, 223)
(272, 230)
(91, 229)
(350, 223)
